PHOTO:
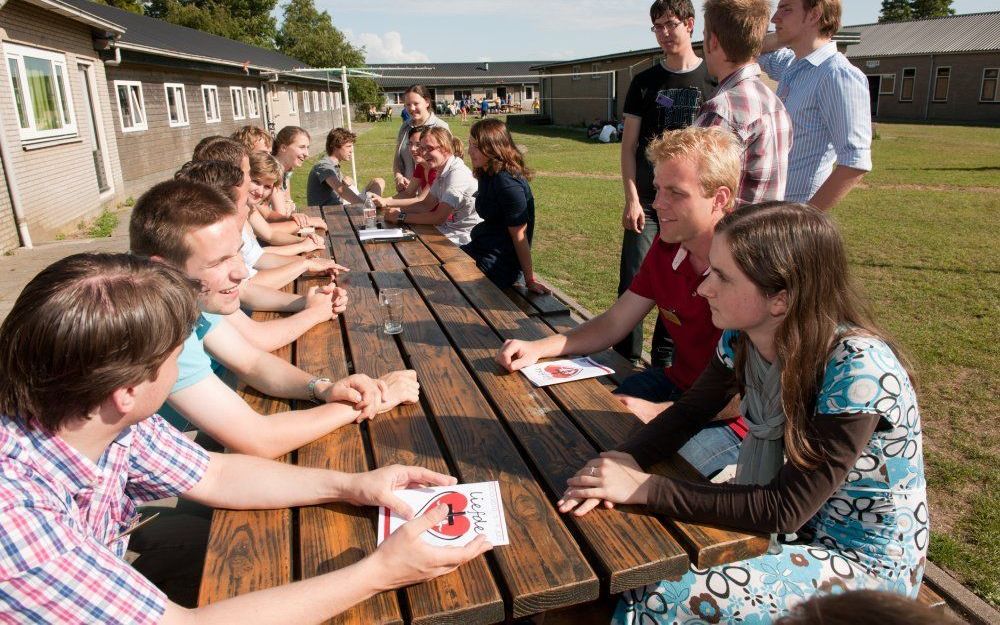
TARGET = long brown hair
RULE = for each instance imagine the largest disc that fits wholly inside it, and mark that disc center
(286, 136)
(493, 139)
(795, 248)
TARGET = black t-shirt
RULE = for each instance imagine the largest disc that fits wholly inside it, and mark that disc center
(503, 201)
(663, 100)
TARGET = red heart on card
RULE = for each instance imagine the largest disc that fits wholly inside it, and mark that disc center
(456, 524)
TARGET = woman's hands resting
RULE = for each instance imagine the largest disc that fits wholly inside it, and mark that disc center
(613, 477)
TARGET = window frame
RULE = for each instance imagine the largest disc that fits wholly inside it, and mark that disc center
(902, 83)
(529, 92)
(595, 67)
(306, 102)
(947, 90)
(881, 90)
(996, 85)
(186, 121)
(31, 133)
(293, 101)
(214, 90)
(138, 127)
(576, 72)
(315, 97)
(322, 101)
(233, 92)
(255, 100)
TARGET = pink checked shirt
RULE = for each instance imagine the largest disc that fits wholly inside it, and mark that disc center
(747, 107)
(61, 517)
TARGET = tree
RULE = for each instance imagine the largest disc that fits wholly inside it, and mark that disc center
(309, 35)
(895, 11)
(249, 21)
(134, 6)
(922, 9)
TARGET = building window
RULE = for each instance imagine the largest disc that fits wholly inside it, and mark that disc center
(41, 92)
(595, 67)
(293, 102)
(887, 85)
(941, 79)
(177, 108)
(322, 101)
(253, 102)
(236, 95)
(131, 105)
(210, 100)
(906, 86)
(989, 92)
(576, 72)
(315, 101)
(333, 102)
(337, 100)
(529, 93)
(306, 102)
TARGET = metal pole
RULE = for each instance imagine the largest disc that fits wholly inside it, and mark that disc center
(347, 114)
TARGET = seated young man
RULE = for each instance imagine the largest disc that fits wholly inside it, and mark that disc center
(195, 228)
(327, 185)
(88, 352)
(696, 174)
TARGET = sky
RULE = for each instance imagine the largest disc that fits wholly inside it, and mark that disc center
(410, 31)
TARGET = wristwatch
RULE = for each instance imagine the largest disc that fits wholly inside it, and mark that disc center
(312, 388)
(401, 218)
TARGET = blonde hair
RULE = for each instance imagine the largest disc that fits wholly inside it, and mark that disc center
(714, 151)
(829, 19)
(249, 135)
(740, 26)
(264, 164)
(446, 140)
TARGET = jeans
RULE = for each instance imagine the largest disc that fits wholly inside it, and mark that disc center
(709, 451)
(634, 248)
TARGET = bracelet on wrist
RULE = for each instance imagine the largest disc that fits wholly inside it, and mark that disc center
(312, 389)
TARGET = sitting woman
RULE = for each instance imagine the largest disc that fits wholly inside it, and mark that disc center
(418, 110)
(327, 184)
(291, 148)
(450, 204)
(833, 462)
(265, 172)
(501, 244)
(419, 183)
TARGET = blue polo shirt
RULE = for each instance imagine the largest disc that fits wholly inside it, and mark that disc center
(193, 366)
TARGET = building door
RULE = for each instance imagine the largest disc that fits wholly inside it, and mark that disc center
(267, 113)
(874, 86)
(92, 130)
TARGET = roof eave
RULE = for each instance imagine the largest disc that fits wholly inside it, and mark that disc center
(207, 59)
(77, 15)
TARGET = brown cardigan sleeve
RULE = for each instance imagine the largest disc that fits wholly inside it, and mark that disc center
(785, 504)
(664, 435)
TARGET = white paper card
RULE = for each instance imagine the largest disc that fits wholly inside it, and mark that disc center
(380, 235)
(473, 509)
(568, 370)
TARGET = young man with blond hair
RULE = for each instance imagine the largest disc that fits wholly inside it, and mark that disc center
(826, 98)
(88, 352)
(743, 104)
(696, 173)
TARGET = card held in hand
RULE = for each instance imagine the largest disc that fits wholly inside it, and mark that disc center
(568, 370)
(473, 509)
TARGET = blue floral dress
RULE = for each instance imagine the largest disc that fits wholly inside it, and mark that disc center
(872, 533)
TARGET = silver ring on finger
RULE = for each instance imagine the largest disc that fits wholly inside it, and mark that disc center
(593, 471)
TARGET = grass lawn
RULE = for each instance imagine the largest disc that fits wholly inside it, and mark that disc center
(921, 235)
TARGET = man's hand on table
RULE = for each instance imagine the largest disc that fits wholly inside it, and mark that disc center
(614, 477)
(516, 354)
(358, 389)
(399, 387)
(324, 266)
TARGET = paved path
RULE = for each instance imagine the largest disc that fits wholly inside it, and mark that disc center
(22, 265)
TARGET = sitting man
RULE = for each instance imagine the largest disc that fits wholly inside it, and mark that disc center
(696, 173)
(327, 185)
(195, 228)
(88, 352)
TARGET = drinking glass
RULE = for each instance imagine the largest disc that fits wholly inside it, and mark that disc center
(391, 303)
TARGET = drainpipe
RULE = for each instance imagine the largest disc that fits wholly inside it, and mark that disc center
(15, 194)
(107, 42)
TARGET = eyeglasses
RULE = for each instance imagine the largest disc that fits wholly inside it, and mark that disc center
(426, 149)
(665, 26)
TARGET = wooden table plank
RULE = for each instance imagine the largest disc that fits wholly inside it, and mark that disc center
(633, 549)
(249, 550)
(381, 255)
(468, 595)
(547, 304)
(439, 245)
(543, 567)
(415, 253)
(336, 535)
(343, 241)
(602, 417)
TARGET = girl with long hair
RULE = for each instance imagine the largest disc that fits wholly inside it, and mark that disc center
(832, 466)
(419, 183)
(419, 104)
(450, 203)
(291, 148)
(501, 244)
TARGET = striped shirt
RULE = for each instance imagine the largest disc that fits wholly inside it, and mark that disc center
(746, 106)
(62, 516)
(827, 99)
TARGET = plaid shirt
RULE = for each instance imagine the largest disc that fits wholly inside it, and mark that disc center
(61, 517)
(747, 107)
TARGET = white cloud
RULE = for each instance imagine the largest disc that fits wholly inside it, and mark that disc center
(385, 48)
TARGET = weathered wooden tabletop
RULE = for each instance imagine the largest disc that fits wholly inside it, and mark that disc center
(474, 421)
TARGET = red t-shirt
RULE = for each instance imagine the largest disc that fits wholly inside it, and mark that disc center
(667, 277)
(425, 179)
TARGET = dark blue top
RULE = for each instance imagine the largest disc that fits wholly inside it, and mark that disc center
(503, 201)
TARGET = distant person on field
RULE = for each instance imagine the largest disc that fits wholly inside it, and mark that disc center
(419, 104)
(501, 243)
(827, 99)
(743, 104)
(484, 108)
(666, 96)
(89, 350)
(327, 184)
(450, 204)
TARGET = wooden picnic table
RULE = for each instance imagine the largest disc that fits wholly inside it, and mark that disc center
(474, 421)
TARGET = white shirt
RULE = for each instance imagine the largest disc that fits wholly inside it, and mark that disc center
(456, 187)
